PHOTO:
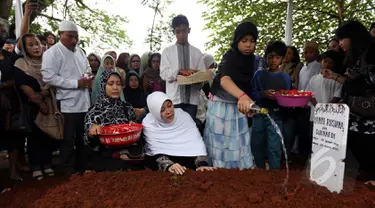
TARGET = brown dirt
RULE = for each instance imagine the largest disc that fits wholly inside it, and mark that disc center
(222, 188)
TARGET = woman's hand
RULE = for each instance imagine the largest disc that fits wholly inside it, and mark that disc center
(139, 112)
(244, 104)
(177, 169)
(329, 74)
(43, 108)
(95, 130)
(205, 168)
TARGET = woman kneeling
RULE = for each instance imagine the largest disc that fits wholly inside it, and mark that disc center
(110, 110)
(172, 138)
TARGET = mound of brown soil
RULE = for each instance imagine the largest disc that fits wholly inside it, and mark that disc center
(222, 188)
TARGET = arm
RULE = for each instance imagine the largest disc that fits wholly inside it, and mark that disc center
(337, 96)
(257, 91)
(33, 96)
(164, 163)
(50, 71)
(228, 85)
(166, 72)
(288, 82)
(201, 161)
(29, 7)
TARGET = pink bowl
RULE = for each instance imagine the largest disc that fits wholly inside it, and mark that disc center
(293, 101)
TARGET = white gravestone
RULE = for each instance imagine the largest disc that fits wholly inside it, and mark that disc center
(329, 145)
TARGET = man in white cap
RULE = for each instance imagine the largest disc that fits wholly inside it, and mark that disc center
(63, 67)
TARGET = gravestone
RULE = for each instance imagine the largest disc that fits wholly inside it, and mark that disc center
(329, 145)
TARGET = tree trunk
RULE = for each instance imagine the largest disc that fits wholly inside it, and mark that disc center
(5, 7)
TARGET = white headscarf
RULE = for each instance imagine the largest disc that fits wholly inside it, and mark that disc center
(208, 60)
(179, 138)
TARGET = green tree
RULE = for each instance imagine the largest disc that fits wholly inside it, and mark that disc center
(100, 25)
(312, 20)
(160, 31)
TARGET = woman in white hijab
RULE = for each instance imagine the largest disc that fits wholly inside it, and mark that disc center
(173, 140)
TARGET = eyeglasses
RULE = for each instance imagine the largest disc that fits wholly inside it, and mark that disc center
(135, 61)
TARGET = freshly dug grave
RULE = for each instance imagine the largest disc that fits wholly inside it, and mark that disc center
(222, 188)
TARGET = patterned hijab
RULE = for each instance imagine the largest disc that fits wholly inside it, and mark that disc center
(97, 81)
(107, 111)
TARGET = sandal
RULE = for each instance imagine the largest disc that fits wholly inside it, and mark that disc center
(49, 172)
(38, 175)
(16, 179)
(3, 190)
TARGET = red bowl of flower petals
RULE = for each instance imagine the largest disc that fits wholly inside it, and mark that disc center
(293, 98)
(121, 134)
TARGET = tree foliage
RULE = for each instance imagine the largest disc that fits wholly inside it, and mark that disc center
(160, 31)
(312, 20)
(97, 23)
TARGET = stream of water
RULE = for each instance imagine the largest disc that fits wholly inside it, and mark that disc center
(278, 131)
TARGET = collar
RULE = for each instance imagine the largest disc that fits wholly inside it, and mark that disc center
(66, 49)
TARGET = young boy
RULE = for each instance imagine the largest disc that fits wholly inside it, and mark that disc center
(181, 58)
(312, 68)
(326, 90)
(265, 85)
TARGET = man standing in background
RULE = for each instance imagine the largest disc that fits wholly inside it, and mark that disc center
(63, 67)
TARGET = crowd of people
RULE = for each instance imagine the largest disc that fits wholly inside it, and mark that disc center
(200, 126)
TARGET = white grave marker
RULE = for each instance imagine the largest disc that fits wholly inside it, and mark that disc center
(329, 145)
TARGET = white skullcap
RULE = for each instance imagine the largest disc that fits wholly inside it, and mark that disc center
(67, 26)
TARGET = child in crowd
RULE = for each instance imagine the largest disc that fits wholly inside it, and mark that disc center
(265, 85)
(312, 67)
(327, 90)
(181, 58)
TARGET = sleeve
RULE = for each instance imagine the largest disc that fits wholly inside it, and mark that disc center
(91, 119)
(130, 111)
(17, 50)
(20, 78)
(201, 161)
(257, 91)
(163, 162)
(50, 71)
(288, 82)
(338, 90)
(166, 72)
(309, 85)
(200, 64)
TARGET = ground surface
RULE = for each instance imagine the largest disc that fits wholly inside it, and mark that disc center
(222, 188)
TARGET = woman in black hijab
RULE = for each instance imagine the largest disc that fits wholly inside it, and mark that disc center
(135, 95)
(359, 93)
(230, 102)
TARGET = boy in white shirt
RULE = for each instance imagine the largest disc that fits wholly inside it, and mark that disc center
(182, 58)
(326, 90)
(312, 68)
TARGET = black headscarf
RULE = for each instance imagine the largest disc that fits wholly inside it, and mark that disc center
(107, 111)
(136, 97)
(236, 65)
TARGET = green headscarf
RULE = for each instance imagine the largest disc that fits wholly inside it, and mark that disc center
(96, 85)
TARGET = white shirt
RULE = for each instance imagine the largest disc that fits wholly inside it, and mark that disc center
(169, 68)
(63, 68)
(307, 72)
(325, 90)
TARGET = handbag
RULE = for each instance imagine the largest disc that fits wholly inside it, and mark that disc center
(20, 121)
(51, 124)
(362, 106)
